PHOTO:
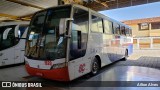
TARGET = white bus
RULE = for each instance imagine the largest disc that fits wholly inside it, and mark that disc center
(66, 42)
(12, 42)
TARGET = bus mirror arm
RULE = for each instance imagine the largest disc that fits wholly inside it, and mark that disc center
(68, 36)
(63, 25)
(16, 31)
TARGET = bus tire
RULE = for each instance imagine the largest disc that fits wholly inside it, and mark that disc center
(95, 67)
(126, 55)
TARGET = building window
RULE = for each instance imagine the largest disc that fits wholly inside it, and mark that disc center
(144, 26)
(155, 25)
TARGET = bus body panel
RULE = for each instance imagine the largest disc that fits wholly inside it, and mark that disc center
(8, 56)
(43, 69)
(60, 74)
(19, 51)
(43, 64)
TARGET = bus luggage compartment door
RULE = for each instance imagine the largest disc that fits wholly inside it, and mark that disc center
(8, 56)
(17, 56)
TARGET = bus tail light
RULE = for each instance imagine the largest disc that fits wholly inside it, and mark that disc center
(59, 65)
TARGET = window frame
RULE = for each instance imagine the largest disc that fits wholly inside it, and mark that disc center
(140, 26)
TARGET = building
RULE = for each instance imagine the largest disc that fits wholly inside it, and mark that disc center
(146, 32)
(147, 27)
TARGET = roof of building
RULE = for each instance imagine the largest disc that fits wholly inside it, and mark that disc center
(24, 9)
(144, 20)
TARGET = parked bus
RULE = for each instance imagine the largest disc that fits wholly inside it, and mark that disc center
(66, 42)
(12, 42)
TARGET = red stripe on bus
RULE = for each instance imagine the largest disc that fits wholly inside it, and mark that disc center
(60, 74)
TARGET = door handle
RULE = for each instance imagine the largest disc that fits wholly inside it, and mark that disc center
(1, 54)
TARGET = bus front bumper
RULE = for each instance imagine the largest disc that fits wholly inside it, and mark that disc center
(60, 74)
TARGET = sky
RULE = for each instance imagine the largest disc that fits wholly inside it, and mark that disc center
(134, 12)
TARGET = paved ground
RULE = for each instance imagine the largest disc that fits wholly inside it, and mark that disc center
(152, 62)
(145, 58)
(137, 54)
(108, 75)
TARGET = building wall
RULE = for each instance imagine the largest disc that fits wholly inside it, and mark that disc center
(136, 32)
(155, 32)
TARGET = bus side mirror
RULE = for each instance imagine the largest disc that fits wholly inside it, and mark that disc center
(17, 31)
(5, 34)
(63, 25)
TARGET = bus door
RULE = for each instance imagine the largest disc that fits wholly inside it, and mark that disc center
(7, 53)
(78, 44)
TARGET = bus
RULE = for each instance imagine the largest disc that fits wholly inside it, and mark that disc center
(12, 42)
(69, 41)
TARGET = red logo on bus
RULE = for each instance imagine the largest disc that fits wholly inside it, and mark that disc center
(82, 68)
(48, 63)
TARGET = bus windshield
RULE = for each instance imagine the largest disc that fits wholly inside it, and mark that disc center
(5, 43)
(43, 40)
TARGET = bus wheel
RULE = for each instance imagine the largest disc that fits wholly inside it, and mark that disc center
(126, 55)
(95, 67)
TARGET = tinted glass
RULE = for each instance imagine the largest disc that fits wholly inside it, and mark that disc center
(44, 41)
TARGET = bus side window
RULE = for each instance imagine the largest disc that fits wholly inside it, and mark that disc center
(10, 40)
(127, 31)
(123, 31)
(108, 27)
(130, 32)
(116, 28)
(97, 25)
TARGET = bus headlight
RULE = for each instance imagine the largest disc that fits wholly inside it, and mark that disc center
(59, 65)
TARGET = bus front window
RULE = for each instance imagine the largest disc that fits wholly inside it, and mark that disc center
(10, 40)
(44, 41)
